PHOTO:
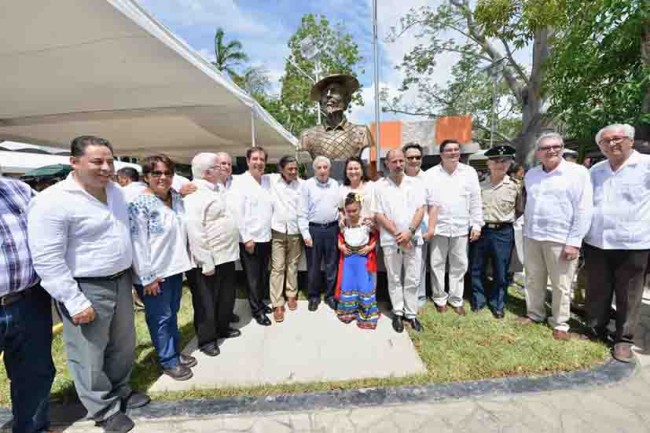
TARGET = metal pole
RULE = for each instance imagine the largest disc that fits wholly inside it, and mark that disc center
(252, 128)
(494, 105)
(375, 49)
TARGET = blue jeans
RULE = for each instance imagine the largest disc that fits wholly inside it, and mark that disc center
(26, 339)
(496, 244)
(161, 313)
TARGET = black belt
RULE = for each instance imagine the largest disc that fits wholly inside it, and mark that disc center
(324, 226)
(11, 298)
(109, 278)
(496, 226)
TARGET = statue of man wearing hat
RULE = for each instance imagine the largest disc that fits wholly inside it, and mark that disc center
(335, 138)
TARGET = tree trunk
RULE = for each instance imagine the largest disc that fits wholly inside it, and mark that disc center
(533, 121)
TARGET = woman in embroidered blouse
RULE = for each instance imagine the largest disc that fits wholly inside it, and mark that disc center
(160, 256)
(356, 181)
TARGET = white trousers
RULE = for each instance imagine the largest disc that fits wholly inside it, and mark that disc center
(542, 262)
(403, 274)
(422, 287)
(454, 249)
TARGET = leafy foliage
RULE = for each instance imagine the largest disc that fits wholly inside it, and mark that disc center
(453, 29)
(338, 54)
(228, 55)
(596, 75)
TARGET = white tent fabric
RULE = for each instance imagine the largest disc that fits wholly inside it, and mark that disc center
(107, 68)
(17, 163)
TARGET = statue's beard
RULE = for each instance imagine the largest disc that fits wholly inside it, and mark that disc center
(331, 109)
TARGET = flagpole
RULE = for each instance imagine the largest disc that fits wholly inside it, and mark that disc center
(375, 46)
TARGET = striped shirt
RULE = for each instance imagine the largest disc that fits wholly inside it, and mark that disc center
(16, 268)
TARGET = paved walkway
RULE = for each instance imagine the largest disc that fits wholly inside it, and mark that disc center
(622, 407)
(306, 347)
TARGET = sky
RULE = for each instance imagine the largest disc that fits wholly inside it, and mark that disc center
(265, 26)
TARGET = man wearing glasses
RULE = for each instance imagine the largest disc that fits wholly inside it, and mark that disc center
(618, 243)
(501, 206)
(455, 209)
(413, 155)
(557, 217)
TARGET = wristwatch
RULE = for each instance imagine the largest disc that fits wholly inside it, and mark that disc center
(412, 230)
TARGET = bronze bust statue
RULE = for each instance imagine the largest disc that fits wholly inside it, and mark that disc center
(335, 138)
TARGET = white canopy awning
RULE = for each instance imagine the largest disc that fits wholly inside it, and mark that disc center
(107, 68)
(17, 163)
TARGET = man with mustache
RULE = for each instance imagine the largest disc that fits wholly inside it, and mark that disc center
(335, 138)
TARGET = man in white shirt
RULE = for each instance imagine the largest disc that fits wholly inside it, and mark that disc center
(399, 208)
(252, 192)
(618, 243)
(81, 247)
(286, 243)
(319, 226)
(556, 218)
(455, 209)
(129, 180)
(413, 154)
(214, 243)
(224, 161)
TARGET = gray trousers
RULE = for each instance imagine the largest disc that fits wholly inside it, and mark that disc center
(101, 353)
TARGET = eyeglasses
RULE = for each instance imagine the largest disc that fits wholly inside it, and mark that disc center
(414, 158)
(611, 141)
(553, 148)
(157, 173)
(500, 160)
(451, 151)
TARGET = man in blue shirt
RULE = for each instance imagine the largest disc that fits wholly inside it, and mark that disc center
(25, 315)
(319, 227)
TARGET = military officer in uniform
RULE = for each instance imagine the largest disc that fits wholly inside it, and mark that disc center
(336, 138)
(502, 204)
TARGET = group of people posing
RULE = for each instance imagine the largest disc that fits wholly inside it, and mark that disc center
(87, 241)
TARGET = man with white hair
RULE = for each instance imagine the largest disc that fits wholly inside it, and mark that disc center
(618, 243)
(213, 236)
(557, 217)
(224, 161)
(318, 222)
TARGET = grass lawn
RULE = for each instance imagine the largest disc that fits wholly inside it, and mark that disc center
(453, 348)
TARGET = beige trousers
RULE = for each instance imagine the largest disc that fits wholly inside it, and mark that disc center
(403, 275)
(454, 249)
(542, 262)
(285, 255)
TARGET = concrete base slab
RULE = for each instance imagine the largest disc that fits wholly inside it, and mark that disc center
(306, 347)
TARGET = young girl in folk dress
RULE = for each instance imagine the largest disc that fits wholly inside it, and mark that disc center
(355, 290)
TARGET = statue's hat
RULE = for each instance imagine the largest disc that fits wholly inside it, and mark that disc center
(348, 81)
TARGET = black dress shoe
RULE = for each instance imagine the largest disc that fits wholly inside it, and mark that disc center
(476, 309)
(331, 302)
(118, 422)
(398, 324)
(230, 333)
(415, 324)
(262, 320)
(210, 350)
(313, 304)
(268, 310)
(498, 314)
(136, 399)
(180, 372)
(187, 360)
(234, 318)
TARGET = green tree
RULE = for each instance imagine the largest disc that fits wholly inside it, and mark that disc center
(485, 37)
(338, 54)
(596, 74)
(228, 55)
